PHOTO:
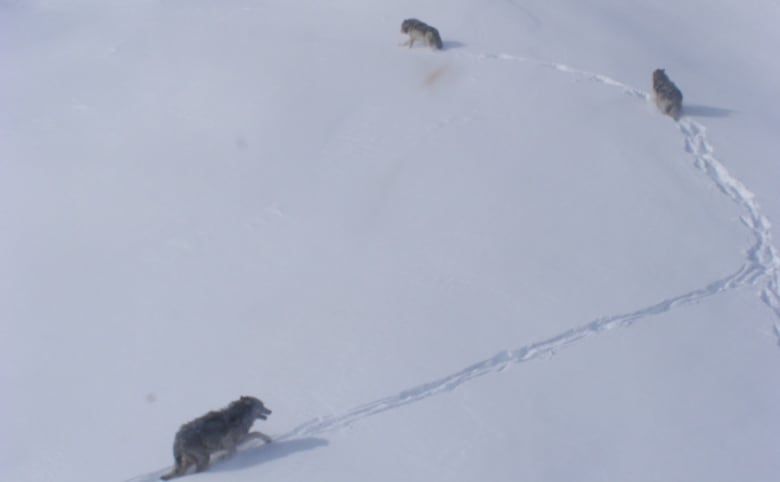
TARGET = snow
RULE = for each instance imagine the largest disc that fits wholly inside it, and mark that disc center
(494, 262)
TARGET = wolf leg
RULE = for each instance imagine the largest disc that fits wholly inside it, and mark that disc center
(675, 112)
(170, 475)
(178, 471)
(201, 461)
(180, 466)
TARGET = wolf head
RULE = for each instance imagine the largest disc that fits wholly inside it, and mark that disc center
(255, 407)
(659, 75)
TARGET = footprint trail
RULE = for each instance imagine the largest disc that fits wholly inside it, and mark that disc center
(761, 267)
(763, 257)
(502, 360)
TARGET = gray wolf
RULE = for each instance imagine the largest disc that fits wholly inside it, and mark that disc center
(217, 431)
(668, 97)
(418, 30)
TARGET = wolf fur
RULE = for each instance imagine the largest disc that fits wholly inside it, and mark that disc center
(418, 30)
(217, 431)
(668, 97)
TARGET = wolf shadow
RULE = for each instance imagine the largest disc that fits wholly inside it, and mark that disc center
(261, 454)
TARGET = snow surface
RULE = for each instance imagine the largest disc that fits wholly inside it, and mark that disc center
(494, 262)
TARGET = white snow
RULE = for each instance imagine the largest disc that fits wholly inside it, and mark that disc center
(494, 262)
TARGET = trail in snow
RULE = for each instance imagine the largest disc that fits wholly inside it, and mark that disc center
(763, 256)
(504, 359)
(627, 89)
(761, 266)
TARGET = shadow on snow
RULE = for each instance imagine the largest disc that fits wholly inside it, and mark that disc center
(261, 454)
(705, 111)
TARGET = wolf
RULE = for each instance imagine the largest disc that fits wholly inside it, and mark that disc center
(418, 30)
(217, 431)
(668, 97)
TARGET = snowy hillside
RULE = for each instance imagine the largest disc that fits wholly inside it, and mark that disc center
(497, 261)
